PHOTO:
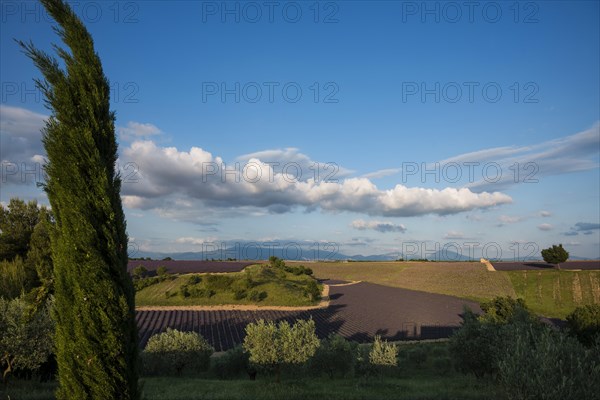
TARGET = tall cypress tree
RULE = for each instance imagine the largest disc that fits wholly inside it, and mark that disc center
(96, 335)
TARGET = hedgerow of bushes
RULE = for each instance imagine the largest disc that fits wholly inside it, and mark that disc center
(270, 349)
(529, 359)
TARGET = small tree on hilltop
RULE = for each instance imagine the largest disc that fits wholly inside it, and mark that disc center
(555, 255)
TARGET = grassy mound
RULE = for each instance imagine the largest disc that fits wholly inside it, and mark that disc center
(258, 284)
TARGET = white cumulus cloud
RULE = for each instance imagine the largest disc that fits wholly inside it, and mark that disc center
(206, 181)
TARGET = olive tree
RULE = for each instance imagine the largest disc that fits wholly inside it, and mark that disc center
(275, 345)
(25, 340)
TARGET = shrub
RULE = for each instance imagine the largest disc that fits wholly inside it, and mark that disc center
(363, 366)
(383, 353)
(501, 309)
(196, 291)
(206, 293)
(26, 341)
(142, 283)
(335, 356)
(172, 352)
(242, 283)
(161, 271)
(313, 291)
(474, 347)
(233, 363)
(296, 270)
(276, 262)
(280, 274)
(240, 294)
(478, 345)
(184, 291)
(255, 295)
(584, 323)
(139, 272)
(376, 358)
(275, 345)
(548, 365)
(218, 282)
(13, 278)
(193, 279)
(418, 356)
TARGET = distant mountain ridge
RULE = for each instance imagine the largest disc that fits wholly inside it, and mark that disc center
(312, 255)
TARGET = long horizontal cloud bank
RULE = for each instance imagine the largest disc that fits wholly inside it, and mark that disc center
(578, 152)
(200, 177)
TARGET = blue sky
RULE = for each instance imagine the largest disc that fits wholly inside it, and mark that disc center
(375, 92)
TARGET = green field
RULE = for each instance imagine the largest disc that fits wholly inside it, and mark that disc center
(281, 289)
(469, 280)
(556, 293)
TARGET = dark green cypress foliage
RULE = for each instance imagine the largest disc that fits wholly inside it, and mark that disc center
(96, 335)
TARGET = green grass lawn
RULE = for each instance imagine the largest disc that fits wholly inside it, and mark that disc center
(281, 289)
(556, 293)
(468, 280)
